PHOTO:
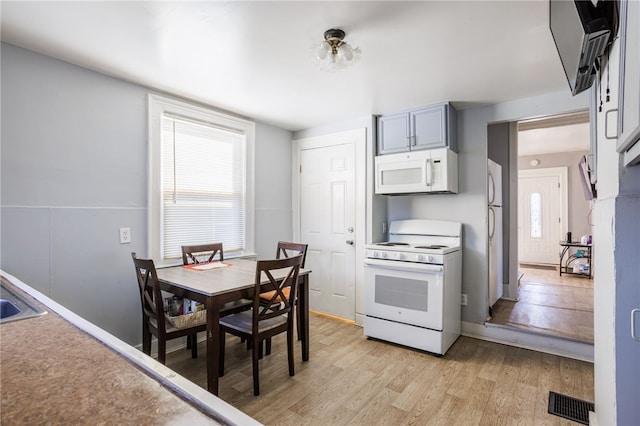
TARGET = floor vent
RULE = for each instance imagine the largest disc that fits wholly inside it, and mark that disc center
(570, 408)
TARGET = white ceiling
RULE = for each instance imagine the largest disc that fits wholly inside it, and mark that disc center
(254, 58)
(550, 140)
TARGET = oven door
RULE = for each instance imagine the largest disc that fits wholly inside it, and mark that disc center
(405, 292)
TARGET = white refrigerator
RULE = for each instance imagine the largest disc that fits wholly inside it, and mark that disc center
(494, 203)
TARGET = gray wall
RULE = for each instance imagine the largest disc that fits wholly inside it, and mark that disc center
(74, 170)
(469, 205)
(579, 208)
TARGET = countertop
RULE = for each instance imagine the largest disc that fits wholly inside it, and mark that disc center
(60, 369)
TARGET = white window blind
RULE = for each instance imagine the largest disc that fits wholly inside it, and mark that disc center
(200, 180)
(203, 186)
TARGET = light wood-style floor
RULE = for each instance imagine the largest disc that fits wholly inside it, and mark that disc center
(550, 304)
(350, 380)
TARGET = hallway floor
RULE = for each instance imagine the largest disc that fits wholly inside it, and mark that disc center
(550, 304)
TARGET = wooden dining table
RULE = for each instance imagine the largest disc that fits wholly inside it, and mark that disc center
(215, 287)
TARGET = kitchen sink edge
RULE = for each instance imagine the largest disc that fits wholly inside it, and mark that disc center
(14, 306)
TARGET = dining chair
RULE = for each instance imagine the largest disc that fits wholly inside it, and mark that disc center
(206, 253)
(154, 319)
(262, 322)
(201, 253)
(284, 250)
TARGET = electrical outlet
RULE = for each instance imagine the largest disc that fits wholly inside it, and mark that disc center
(463, 299)
(125, 235)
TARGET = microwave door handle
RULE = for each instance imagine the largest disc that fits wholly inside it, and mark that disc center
(428, 172)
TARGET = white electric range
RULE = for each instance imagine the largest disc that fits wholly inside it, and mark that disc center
(413, 284)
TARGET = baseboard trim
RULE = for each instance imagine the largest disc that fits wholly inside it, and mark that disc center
(529, 340)
(335, 317)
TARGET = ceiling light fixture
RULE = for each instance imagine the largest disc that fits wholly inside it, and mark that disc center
(334, 53)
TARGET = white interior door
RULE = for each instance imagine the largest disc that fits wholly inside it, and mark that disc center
(542, 214)
(327, 225)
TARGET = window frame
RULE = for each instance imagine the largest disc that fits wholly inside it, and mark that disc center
(157, 107)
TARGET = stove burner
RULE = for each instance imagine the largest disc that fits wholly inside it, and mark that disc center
(392, 244)
(433, 246)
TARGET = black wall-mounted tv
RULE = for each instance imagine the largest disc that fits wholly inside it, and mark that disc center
(581, 32)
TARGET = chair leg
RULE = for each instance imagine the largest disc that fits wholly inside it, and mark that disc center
(194, 344)
(298, 319)
(255, 356)
(162, 351)
(146, 338)
(260, 350)
(290, 350)
(267, 349)
(188, 342)
(221, 353)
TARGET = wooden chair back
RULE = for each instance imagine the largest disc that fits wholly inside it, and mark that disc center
(286, 249)
(265, 268)
(150, 294)
(202, 253)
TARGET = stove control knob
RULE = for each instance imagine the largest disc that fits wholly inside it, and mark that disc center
(430, 258)
(420, 258)
(375, 254)
(383, 255)
(401, 256)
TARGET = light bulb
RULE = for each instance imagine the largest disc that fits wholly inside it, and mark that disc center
(323, 50)
(345, 52)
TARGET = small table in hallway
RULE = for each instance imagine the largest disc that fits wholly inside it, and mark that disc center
(572, 258)
(214, 288)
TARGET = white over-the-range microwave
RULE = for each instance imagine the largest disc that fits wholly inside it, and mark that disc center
(425, 171)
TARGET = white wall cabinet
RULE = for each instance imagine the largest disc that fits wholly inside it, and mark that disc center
(424, 128)
(629, 91)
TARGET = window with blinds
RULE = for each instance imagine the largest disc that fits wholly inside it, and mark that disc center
(201, 187)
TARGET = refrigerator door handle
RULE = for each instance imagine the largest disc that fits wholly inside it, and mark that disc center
(492, 222)
(492, 189)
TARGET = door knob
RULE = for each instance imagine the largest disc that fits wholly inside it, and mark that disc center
(350, 242)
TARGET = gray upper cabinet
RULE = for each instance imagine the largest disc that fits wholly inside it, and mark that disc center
(424, 128)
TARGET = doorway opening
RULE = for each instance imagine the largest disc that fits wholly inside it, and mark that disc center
(545, 207)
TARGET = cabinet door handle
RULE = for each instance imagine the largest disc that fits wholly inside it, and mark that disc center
(606, 125)
(634, 335)
(408, 141)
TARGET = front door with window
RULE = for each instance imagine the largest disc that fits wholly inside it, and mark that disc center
(540, 215)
